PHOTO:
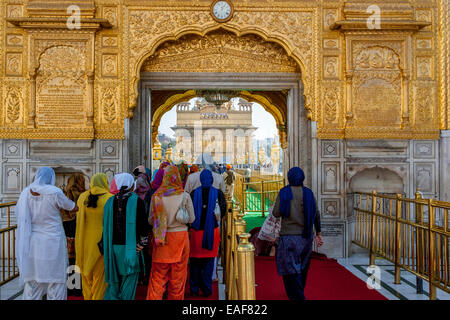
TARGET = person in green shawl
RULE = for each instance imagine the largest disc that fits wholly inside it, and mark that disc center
(125, 234)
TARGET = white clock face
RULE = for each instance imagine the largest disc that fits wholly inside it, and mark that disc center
(222, 10)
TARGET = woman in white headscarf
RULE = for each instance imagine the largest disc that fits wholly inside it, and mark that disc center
(125, 234)
(41, 242)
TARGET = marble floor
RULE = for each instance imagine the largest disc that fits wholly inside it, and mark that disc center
(357, 264)
(407, 290)
(13, 291)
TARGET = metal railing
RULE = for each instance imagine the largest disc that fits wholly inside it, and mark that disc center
(237, 256)
(257, 196)
(8, 265)
(411, 233)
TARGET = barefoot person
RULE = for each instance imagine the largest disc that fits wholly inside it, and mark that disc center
(88, 234)
(170, 237)
(41, 243)
(125, 233)
(297, 206)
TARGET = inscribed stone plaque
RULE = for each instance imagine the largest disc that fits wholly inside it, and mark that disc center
(333, 235)
(61, 86)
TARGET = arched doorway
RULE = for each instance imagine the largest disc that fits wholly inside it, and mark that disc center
(380, 179)
(257, 70)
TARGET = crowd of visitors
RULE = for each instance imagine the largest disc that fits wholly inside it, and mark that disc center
(158, 229)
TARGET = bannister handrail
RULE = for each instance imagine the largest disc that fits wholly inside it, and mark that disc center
(8, 264)
(413, 234)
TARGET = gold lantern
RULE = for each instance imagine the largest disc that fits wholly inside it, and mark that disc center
(261, 155)
(169, 154)
(275, 152)
(157, 150)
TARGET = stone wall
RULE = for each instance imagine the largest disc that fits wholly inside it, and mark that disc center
(20, 160)
(388, 166)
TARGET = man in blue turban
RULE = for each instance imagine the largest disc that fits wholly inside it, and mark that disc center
(296, 206)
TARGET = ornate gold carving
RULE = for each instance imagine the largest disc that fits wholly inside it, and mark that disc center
(14, 11)
(110, 13)
(14, 40)
(109, 102)
(109, 41)
(376, 86)
(13, 104)
(220, 52)
(301, 28)
(109, 65)
(331, 101)
(330, 68)
(330, 43)
(13, 64)
(424, 67)
(424, 106)
(148, 29)
(61, 87)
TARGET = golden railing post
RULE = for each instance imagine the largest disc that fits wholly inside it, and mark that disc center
(246, 268)
(223, 231)
(398, 211)
(239, 228)
(419, 235)
(372, 229)
(244, 195)
(229, 219)
(431, 266)
(231, 283)
(262, 198)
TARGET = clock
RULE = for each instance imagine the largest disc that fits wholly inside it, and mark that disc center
(222, 10)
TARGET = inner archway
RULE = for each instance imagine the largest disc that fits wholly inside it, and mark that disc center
(258, 70)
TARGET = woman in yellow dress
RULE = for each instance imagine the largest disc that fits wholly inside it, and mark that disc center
(88, 235)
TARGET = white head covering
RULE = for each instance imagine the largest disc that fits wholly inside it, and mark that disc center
(124, 180)
(44, 183)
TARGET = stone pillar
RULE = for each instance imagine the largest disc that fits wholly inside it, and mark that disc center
(445, 166)
(299, 134)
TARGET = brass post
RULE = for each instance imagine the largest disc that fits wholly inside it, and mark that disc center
(223, 232)
(262, 198)
(239, 227)
(372, 229)
(229, 219)
(246, 268)
(431, 262)
(397, 236)
(419, 235)
(240, 223)
(232, 291)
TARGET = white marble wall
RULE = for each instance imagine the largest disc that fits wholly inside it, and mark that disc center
(445, 166)
(390, 166)
(20, 160)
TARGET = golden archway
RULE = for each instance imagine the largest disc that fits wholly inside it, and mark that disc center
(164, 101)
(220, 50)
(292, 62)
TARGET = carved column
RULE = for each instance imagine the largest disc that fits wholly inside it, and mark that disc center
(32, 111)
(90, 98)
(405, 100)
(349, 105)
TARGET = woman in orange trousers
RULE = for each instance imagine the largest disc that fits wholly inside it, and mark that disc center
(170, 235)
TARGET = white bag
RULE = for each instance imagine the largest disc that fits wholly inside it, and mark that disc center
(182, 215)
(217, 211)
(270, 230)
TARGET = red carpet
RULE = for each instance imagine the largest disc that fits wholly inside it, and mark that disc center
(327, 280)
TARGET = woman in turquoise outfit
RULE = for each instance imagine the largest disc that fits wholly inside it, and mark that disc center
(125, 233)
